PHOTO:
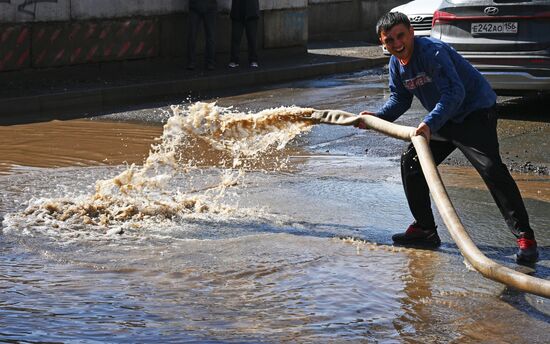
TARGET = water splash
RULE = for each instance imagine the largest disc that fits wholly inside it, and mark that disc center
(204, 150)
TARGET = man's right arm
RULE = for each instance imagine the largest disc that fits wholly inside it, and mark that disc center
(400, 98)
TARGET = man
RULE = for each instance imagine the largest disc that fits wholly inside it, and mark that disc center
(204, 11)
(244, 17)
(461, 111)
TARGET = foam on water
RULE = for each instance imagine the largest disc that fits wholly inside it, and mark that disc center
(204, 150)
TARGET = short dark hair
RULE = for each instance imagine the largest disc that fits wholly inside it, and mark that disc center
(389, 20)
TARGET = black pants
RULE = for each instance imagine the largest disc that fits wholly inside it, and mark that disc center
(209, 21)
(237, 28)
(477, 138)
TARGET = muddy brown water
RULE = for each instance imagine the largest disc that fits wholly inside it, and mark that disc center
(73, 143)
(299, 252)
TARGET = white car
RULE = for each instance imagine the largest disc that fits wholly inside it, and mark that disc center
(420, 13)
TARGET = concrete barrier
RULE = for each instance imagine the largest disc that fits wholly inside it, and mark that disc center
(51, 33)
(346, 19)
(22, 11)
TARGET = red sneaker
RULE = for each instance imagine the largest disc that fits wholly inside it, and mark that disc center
(418, 236)
(528, 252)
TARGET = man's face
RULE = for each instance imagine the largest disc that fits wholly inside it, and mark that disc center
(399, 41)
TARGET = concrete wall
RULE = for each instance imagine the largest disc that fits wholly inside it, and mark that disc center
(22, 11)
(346, 19)
(50, 33)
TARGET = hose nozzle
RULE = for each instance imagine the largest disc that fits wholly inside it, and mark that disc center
(336, 117)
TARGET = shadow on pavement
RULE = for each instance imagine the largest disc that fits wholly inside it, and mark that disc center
(533, 108)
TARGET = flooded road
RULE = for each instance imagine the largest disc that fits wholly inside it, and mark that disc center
(74, 143)
(297, 249)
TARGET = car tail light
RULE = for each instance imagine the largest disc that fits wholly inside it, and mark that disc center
(442, 16)
(545, 62)
(536, 62)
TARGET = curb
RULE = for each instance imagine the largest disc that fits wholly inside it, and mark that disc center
(104, 99)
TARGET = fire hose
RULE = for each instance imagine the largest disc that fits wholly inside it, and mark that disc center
(487, 267)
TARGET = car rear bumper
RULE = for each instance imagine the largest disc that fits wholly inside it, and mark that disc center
(514, 72)
(521, 81)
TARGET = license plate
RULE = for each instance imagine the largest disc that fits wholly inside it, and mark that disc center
(507, 27)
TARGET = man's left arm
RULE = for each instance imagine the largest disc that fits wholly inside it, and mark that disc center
(444, 75)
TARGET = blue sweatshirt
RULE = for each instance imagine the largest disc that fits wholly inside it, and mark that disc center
(447, 85)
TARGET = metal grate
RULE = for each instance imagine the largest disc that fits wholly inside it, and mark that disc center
(424, 24)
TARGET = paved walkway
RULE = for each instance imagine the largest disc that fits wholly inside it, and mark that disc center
(95, 89)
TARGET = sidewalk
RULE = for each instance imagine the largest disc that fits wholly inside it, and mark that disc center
(95, 89)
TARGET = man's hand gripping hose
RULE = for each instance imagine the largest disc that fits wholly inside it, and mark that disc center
(338, 117)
